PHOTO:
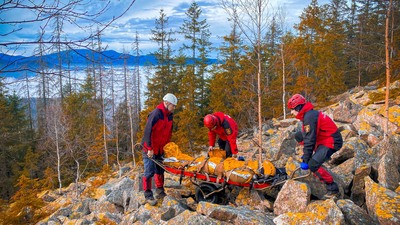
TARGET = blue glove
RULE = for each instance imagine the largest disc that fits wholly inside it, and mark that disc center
(304, 166)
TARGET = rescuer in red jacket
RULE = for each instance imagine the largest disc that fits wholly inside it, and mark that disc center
(157, 134)
(226, 128)
(320, 137)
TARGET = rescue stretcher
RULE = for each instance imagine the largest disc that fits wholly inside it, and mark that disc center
(210, 188)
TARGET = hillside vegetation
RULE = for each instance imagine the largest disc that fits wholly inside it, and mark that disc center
(83, 132)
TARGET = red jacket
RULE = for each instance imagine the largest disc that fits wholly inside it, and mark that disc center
(227, 130)
(158, 130)
(318, 129)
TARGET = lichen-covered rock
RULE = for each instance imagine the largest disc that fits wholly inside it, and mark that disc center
(318, 212)
(173, 208)
(253, 200)
(347, 131)
(293, 197)
(388, 173)
(119, 190)
(346, 112)
(367, 156)
(345, 172)
(383, 204)
(233, 215)
(104, 206)
(370, 122)
(318, 188)
(348, 151)
(193, 218)
(358, 189)
(353, 214)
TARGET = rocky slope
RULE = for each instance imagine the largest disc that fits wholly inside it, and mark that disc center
(367, 169)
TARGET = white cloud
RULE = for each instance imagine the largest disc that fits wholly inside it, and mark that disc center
(141, 18)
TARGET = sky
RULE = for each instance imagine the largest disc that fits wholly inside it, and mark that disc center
(139, 18)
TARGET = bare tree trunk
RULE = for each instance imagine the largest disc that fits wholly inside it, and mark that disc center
(77, 178)
(115, 120)
(103, 111)
(29, 103)
(131, 130)
(252, 19)
(58, 45)
(58, 155)
(387, 56)
(283, 83)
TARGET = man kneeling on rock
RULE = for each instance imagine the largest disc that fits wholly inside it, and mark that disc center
(320, 137)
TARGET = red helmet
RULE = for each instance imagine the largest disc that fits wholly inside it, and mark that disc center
(296, 100)
(210, 121)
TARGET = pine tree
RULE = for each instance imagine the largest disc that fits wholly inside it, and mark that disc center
(224, 92)
(25, 203)
(16, 139)
(320, 52)
(193, 85)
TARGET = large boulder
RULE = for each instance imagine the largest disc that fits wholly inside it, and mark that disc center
(388, 172)
(346, 112)
(383, 204)
(233, 215)
(293, 197)
(345, 172)
(358, 188)
(353, 214)
(349, 149)
(318, 212)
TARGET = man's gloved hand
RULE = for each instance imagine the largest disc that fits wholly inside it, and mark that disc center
(234, 156)
(210, 148)
(304, 166)
(150, 153)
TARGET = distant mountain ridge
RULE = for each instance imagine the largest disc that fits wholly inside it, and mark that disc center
(11, 66)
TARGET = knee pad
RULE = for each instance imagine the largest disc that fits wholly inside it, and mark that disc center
(313, 165)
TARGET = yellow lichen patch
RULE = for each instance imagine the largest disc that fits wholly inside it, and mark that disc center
(394, 115)
(172, 203)
(320, 210)
(103, 219)
(303, 187)
(365, 126)
(385, 206)
(270, 131)
(290, 166)
(370, 151)
(301, 218)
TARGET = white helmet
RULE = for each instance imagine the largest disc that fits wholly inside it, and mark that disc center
(171, 98)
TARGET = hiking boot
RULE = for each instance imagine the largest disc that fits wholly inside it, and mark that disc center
(333, 190)
(331, 194)
(151, 200)
(160, 193)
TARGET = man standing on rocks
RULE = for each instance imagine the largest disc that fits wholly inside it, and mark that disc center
(321, 138)
(157, 134)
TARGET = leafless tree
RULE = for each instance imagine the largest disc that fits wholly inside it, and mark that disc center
(42, 14)
(253, 20)
(388, 52)
(55, 132)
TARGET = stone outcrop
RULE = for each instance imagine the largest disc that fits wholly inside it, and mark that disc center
(366, 169)
(382, 203)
